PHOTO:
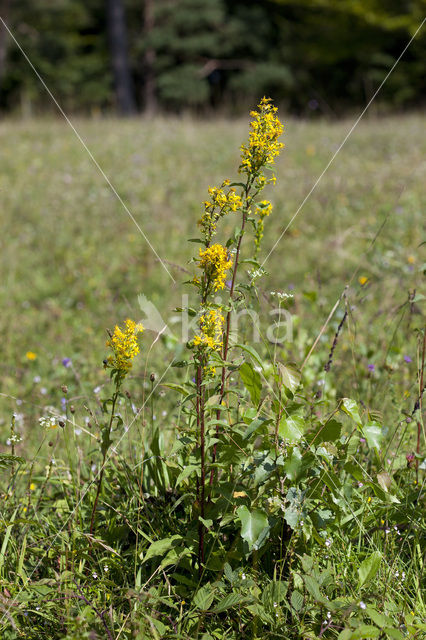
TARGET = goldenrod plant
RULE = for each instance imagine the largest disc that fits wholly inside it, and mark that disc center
(237, 489)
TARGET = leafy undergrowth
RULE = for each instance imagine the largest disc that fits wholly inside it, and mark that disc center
(268, 488)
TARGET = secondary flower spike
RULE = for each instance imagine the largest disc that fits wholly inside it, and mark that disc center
(124, 344)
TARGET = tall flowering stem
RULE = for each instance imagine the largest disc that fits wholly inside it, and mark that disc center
(124, 346)
(260, 153)
(215, 260)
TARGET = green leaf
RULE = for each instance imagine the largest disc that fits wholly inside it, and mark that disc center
(369, 567)
(296, 600)
(365, 631)
(8, 460)
(312, 587)
(252, 352)
(161, 547)
(231, 600)
(378, 618)
(328, 432)
(394, 633)
(204, 597)
(275, 591)
(373, 434)
(255, 425)
(253, 525)
(252, 381)
(350, 407)
(291, 428)
(290, 377)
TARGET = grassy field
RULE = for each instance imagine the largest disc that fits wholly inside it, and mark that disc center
(74, 263)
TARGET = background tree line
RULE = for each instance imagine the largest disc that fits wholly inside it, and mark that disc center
(132, 55)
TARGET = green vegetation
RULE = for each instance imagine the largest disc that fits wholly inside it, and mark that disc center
(312, 521)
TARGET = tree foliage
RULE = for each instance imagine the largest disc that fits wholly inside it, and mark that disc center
(311, 55)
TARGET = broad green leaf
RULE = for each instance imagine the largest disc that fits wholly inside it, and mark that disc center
(313, 588)
(373, 434)
(369, 567)
(350, 407)
(378, 618)
(204, 597)
(231, 600)
(161, 547)
(291, 428)
(290, 377)
(365, 631)
(396, 634)
(275, 591)
(296, 600)
(252, 381)
(253, 524)
(328, 432)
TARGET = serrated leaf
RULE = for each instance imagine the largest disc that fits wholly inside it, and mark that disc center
(296, 600)
(231, 600)
(290, 377)
(369, 567)
(204, 597)
(291, 428)
(350, 407)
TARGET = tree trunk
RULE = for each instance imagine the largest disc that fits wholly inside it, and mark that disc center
(4, 36)
(119, 57)
(150, 99)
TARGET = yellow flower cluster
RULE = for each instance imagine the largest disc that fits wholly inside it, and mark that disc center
(264, 208)
(215, 262)
(211, 330)
(124, 343)
(221, 202)
(263, 145)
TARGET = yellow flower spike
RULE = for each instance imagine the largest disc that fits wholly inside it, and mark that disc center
(263, 145)
(124, 344)
(32, 486)
(211, 330)
(30, 355)
(215, 262)
(362, 280)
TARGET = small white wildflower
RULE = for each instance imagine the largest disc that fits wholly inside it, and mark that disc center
(43, 391)
(77, 431)
(106, 568)
(275, 604)
(329, 614)
(164, 413)
(97, 389)
(95, 575)
(243, 576)
(93, 468)
(36, 379)
(19, 402)
(328, 542)
(362, 605)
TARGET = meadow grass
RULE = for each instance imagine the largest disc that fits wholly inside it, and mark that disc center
(74, 264)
